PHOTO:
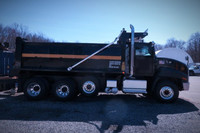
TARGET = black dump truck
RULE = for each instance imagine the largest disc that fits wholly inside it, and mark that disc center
(127, 64)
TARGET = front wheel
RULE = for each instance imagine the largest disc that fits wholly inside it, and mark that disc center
(166, 92)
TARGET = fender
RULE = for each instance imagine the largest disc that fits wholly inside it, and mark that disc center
(171, 73)
(165, 72)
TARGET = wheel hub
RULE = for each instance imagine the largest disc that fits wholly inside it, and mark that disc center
(34, 89)
(89, 87)
(166, 92)
(62, 90)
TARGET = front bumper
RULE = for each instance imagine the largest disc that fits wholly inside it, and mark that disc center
(186, 86)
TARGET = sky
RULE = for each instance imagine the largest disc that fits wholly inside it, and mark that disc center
(101, 21)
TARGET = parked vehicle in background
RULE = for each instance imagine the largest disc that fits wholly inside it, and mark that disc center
(194, 69)
(6, 65)
(6, 62)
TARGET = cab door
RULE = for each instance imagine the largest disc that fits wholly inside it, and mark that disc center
(144, 59)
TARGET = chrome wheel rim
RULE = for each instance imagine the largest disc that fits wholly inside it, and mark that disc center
(166, 92)
(89, 87)
(62, 90)
(33, 89)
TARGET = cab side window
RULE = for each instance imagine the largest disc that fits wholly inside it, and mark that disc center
(142, 51)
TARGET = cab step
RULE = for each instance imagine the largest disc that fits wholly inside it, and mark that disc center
(134, 86)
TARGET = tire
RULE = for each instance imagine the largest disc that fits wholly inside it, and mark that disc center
(89, 86)
(64, 90)
(166, 92)
(35, 88)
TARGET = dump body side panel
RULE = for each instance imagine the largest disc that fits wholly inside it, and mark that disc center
(60, 56)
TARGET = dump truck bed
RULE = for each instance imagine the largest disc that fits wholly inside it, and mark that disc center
(60, 56)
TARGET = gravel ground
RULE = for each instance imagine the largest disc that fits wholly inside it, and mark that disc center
(104, 113)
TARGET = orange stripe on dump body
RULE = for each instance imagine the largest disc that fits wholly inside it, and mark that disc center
(101, 57)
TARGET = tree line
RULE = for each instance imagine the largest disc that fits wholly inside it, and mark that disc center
(192, 46)
(9, 33)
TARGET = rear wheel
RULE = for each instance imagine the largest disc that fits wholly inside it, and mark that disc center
(64, 90)
(89, 86)
(35, 88)
(166, 92)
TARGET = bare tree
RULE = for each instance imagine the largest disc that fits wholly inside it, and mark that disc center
(158, 47)
(193, 47)
(173, 43)
(9, 34)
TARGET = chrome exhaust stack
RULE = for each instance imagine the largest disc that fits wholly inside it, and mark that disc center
(132, 50)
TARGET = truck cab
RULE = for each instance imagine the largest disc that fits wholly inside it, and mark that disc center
(163, 77)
